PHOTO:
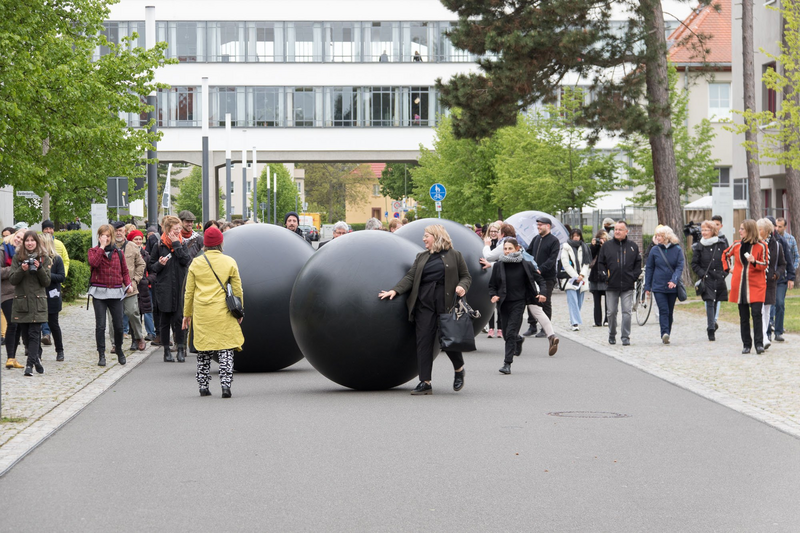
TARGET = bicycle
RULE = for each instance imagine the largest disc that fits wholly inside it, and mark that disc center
(642, 302)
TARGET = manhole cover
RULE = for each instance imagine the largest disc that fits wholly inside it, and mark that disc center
(587, 414)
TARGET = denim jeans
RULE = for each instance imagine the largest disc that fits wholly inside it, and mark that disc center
(779, 308)
(614, 301)
(575, 302)
(666, 305)
(149, 327)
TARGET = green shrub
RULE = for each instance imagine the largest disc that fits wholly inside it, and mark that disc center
(358, 227)
(77, 281)
(77, 243)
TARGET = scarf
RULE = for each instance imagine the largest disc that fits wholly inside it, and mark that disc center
(167, 242)
(709, 242)
(186, 233)
(9, 251)
(513, 257)
(576, 245)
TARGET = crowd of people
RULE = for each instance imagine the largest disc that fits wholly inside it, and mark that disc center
(171, 286)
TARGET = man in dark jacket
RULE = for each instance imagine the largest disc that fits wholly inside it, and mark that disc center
(292, 222)
(620, 263)
(545, 249)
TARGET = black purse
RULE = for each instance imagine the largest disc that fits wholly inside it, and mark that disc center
(233, 302)
(455, 327)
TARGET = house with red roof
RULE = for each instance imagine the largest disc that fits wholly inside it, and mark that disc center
(373, 204)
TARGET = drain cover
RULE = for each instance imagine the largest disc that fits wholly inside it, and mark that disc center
(587, 414)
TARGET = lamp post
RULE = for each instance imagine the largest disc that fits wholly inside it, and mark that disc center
(228, 169)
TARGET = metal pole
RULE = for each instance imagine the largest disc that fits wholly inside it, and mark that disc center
(228, 169)
(152, 168)
(255, 186)
(206, 186)
(275, 195)
(269, 197)
(244, 179)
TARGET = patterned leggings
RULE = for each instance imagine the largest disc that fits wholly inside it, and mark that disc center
(225, 367)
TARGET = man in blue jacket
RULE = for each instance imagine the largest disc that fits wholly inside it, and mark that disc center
(620, 264)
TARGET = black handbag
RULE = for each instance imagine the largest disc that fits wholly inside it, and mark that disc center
(455, 327)
(681, 289)
(700, 286)
(233, 302)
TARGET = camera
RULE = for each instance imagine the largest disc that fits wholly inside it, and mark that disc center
(31, 261)
(693, 230)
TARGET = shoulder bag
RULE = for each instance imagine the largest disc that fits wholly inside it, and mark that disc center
(233, 302)
(681, 289)
(455, 327)
(700, 286)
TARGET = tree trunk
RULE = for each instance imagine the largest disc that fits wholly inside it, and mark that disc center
(749, 93)
(793, 199)
(46, 206)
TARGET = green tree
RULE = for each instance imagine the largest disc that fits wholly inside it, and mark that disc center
(60, 126)
(780, 141)
(396, 180)
(288, 197)
(696, 166)
(544, 162)
(465, 168)
(191, 192)
(331, 186)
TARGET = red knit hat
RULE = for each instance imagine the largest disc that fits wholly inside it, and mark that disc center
(135, 233)
(212, 237)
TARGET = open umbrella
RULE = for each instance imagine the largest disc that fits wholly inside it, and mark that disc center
(525, 224)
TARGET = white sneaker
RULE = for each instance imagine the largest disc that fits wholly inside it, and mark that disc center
(665, 338)
(575, 327)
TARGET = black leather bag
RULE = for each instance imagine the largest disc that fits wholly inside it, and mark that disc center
(455, 327)
(233, 302)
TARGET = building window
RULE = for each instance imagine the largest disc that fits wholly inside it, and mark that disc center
(419, 106)
(226, 42)
(342, 42)
(265, 106)
(115, 32)
(766, 201)
(304, 42)
(341, 106)
(416, 39)
(265, 42)
(187, 40)
(719, 101)
(376, 189)
(227, 100)
(179, 107)
(724, 179)
(382, 102)
(769, 96)
(740, 189)
(303, 106)
(381, 41)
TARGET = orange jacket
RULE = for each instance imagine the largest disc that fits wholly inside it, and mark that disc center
(748, 283)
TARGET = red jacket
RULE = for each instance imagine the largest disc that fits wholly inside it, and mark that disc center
(108, 272)
(748, 283)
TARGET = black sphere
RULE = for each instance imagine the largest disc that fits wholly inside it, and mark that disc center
(269, 258)
(347, 333)
(471, 247)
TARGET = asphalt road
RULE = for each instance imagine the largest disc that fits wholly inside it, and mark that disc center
(292, 451)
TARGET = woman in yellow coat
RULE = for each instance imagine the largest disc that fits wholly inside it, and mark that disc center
(216, 331)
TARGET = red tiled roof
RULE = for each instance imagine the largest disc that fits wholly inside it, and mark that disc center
(704, 20)
(376, 168)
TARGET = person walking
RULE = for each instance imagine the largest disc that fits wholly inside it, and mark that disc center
(776, 268)
(576, 259)
(215, 331)
(544, 249)
(11, 336)
(30, 275)
(48, 233)
(707, 265)
(145, 299)
(58, 274)
(620, 265)
(169, 261)
(598, 286)
(662, 276)
(110, 281)
(130, 304)
(747, 261)
(787, 281)
(192, 240)
(513, 285)
(437, 275)
(490, 240)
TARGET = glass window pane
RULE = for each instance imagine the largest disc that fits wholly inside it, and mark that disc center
(304, 106)
(345, 106)
(382, 106)
(265, 41)
(381, 41)
(415, 42)
(226, 41)
(187, 41)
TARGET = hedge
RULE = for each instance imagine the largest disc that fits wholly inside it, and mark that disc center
(77, 243)
(358, 227)
(77, 281)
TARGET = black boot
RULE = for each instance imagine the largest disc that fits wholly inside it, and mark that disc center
(60, 355)
(181, 353)
(168, 355)
(226, 392)
(458, 381)
(205, 392)
(506, 368)
(711, 335)
(102, 360)
(121, 356)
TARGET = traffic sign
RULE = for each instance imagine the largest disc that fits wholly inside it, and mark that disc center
(28, 194)
(438, 192)
(439, 206)
(396, 214)
(397, 206)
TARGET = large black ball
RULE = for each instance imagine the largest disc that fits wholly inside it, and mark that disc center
(347, 333)
(269, 258)
(471, 247)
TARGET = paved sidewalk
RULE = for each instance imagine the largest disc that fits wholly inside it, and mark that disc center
(765, 387)
(43, 403)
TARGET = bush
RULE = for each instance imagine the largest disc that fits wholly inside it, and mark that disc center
(77, 281)
(358, 227)
(77, 243)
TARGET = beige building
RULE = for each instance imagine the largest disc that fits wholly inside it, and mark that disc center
(375, 204)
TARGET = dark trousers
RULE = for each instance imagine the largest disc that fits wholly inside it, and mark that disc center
(31, 334)
(114, 307)
(499, 321)
(12, 330)
(745, 310)
(430, 303)
(711, 314)
(172, 320)
(55, 330)
(599, 311)
(511, 316)
(666, 305)
(547, 305)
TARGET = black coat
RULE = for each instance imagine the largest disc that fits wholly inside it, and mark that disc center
(776, 269)
(545, 251)
(707, 265)
(57, 277)
(619, 264)
(497, 283)
(145, 302)
(169, 288)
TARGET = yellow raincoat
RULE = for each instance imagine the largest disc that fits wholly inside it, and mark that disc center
(213, 325)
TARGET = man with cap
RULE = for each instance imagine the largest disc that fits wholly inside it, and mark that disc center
(136, 266)
(192, 240)
(608, 226)
(48, 228)
(292, 222)
(545, 249)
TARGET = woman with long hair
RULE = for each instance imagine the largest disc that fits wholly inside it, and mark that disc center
(108, 285)
(438, 275)
(576, 259)
(490, 239)
(662, 275)
(57, 277)
(30, 275)
(11, 336)
(707, 265)
(747, 260)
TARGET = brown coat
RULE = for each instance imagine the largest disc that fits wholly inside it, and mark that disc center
(135, 262)
(455, 274)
